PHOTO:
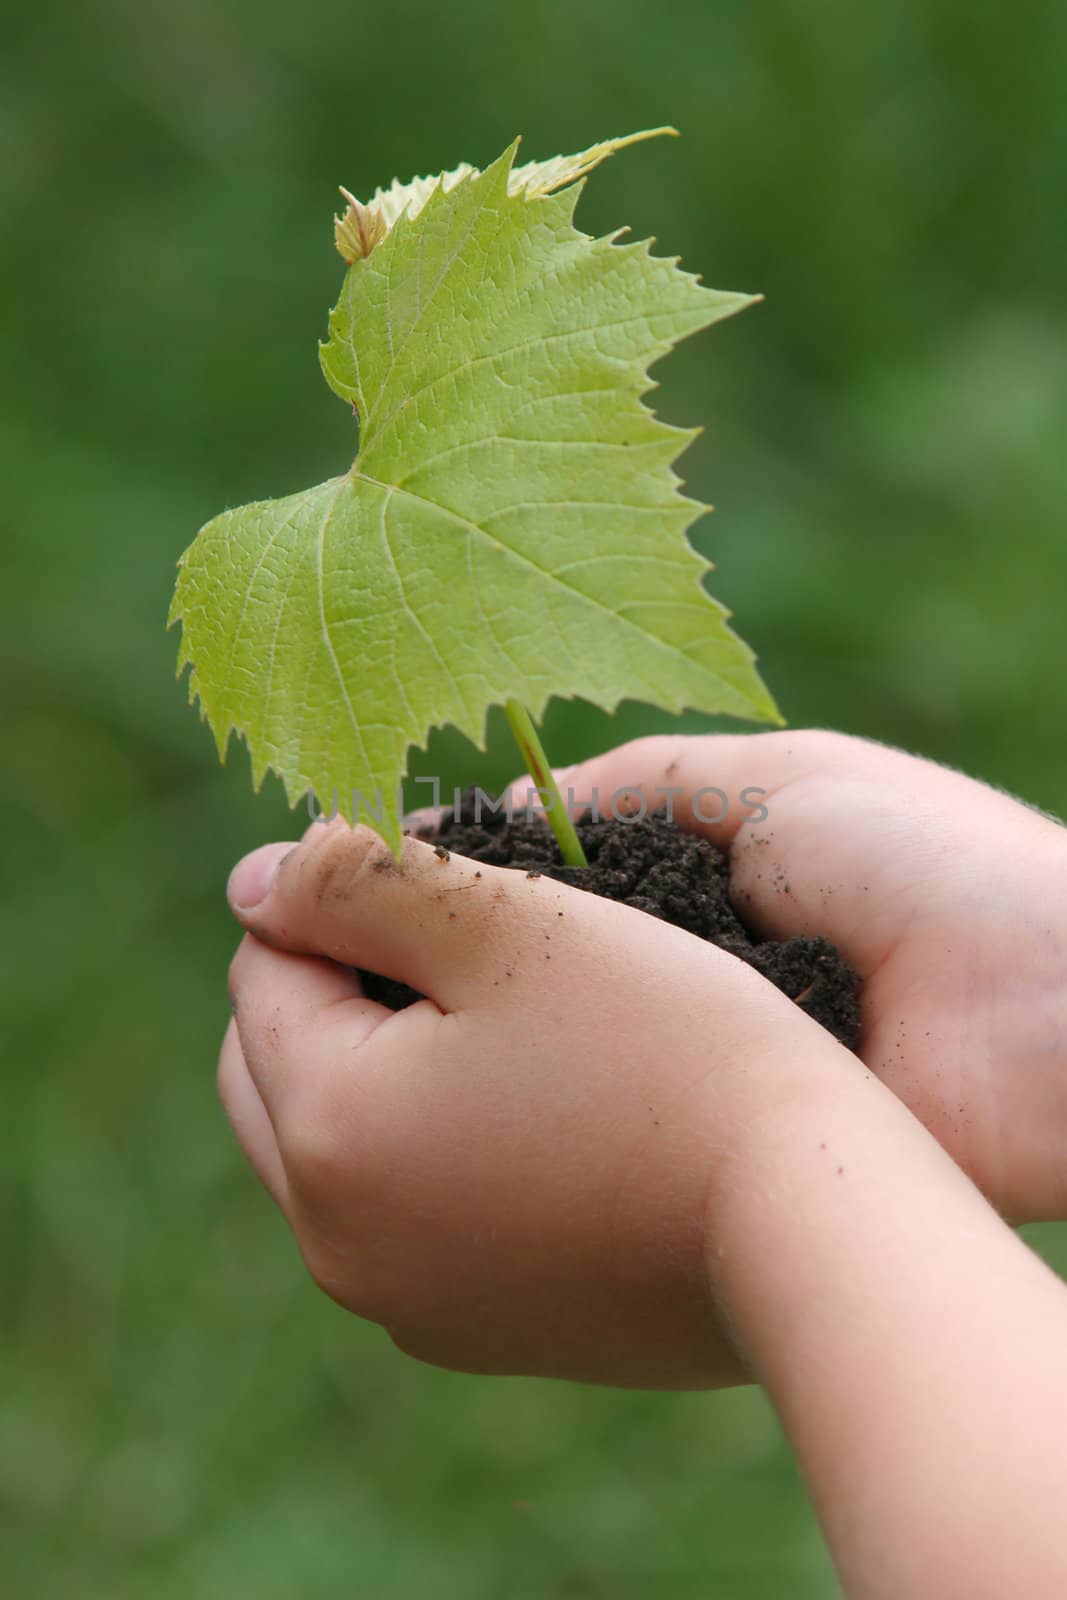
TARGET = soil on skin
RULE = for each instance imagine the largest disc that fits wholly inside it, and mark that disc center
(655, 866)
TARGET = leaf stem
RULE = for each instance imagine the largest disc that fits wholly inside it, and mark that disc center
(537, 766)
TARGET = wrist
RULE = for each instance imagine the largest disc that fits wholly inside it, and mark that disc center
(809, 1202)
(794, 1122)
(1015, 1027)
(900, 1328)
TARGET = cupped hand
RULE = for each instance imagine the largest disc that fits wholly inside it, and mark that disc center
(947, 896)
(513, 1174)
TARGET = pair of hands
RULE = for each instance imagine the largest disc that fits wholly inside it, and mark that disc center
(533, 1169)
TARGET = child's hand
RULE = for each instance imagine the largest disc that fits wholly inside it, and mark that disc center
(513, 1175)
(600, 1134)
(949, 898)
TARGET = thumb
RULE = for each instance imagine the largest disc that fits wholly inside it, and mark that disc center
(429, 919)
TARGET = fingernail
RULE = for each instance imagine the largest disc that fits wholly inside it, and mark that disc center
(252, 877)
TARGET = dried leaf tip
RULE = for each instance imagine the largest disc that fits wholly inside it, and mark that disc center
(359, 230)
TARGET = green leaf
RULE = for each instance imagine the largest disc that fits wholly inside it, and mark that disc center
(511, 526)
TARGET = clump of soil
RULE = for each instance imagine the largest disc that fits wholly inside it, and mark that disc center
(654, 865)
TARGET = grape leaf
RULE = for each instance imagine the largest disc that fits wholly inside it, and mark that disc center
(511, 526)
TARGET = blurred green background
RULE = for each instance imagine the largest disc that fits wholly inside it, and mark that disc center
(181, 1412)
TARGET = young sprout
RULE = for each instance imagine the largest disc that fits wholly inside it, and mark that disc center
(511, 528)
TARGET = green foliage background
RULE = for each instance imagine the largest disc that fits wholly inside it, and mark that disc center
(181, 1414)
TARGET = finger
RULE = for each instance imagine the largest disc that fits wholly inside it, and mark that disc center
(710, 784)
(836, 819)
(248, 1118)
(439, 922)
(791, 861)
(286, 1007)
(525, 794)
(424, 822)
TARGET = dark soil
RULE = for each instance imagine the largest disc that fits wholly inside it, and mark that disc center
(655, 866)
